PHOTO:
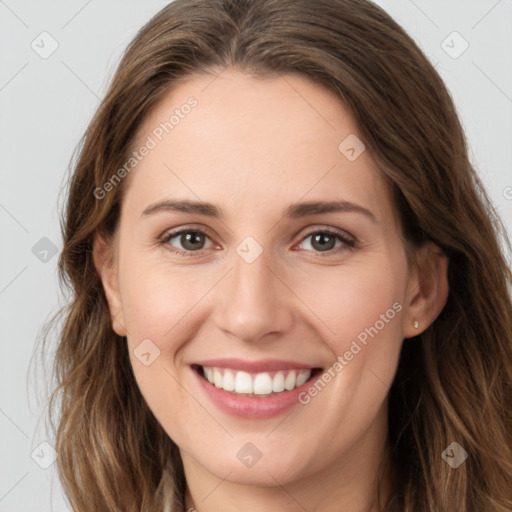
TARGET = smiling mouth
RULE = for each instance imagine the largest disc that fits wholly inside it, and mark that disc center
(257, 385)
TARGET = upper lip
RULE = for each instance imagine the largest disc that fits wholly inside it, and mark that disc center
(264, 365)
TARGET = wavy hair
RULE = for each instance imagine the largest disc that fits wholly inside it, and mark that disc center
(454, 381)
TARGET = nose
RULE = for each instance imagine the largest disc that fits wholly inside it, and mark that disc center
(253, 303)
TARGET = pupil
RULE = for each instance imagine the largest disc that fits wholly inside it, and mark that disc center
(323, 246)
(191, 239)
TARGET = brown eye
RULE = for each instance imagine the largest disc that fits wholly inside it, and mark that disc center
(192, 240)
(185, 241)
(325, 241)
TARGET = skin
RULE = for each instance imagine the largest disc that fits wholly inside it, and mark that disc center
(252, 147)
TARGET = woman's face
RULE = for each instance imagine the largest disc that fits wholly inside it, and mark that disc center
(263, 289)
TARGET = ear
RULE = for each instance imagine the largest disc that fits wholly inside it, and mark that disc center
(105, 263)
(427, 290)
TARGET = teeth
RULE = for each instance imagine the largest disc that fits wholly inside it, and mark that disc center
(217, 378)
(258, 384)
(278, 382)
(229, 381)
(301, 378)
(290, 381)
(262, 384)
(243, 382)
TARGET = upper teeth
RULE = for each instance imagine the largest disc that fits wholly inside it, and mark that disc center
(259, 383)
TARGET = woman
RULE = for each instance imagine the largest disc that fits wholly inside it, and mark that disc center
(288, 291)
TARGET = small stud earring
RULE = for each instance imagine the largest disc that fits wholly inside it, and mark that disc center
(416, 324)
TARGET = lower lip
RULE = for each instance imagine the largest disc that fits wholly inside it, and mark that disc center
(253, 407)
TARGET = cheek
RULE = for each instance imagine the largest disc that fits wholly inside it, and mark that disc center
(157, 298)
(363, 307)
(158, 305)
(359, 312)
(347, 302)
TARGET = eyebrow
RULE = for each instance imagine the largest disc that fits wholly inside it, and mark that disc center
(294, 211)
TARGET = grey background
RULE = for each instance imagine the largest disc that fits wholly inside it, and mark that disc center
(45, 107)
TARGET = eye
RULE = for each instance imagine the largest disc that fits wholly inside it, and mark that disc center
(195, 241)
(191, 241)
(324, 241)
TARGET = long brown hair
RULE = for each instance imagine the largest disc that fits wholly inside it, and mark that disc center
(454, 381)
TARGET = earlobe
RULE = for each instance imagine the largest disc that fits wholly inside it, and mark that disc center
(104, 261)
(427, 291)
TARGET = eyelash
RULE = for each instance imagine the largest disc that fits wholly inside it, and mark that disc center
(348, 242)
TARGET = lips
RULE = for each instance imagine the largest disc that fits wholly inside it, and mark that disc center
(254, 389)
(266, 365)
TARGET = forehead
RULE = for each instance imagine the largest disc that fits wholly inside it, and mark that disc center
(252, 143)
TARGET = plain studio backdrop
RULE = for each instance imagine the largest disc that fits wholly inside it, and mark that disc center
(56, 61)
